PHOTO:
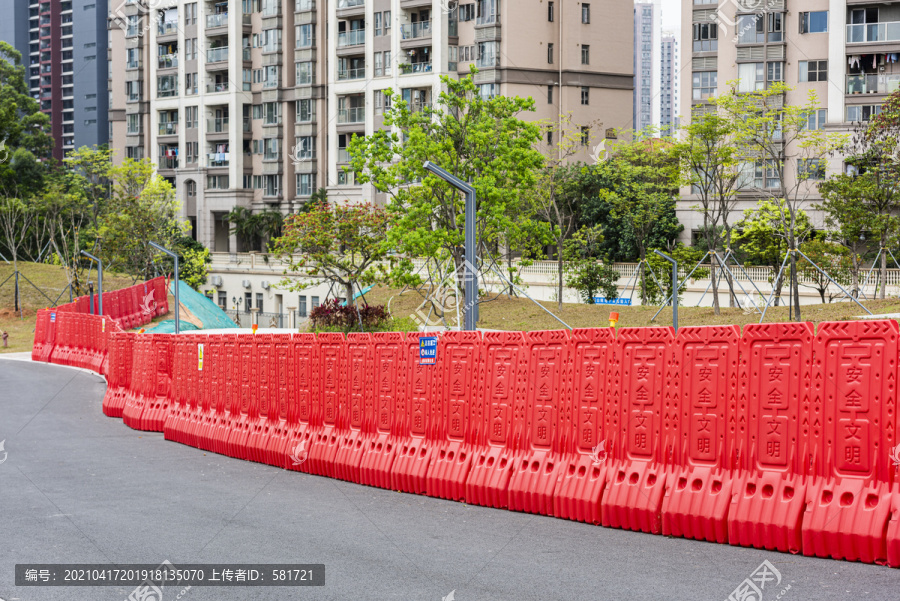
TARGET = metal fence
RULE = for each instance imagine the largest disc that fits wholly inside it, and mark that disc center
(244, 319)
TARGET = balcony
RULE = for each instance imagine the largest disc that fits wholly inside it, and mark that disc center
(343, 155)
(217, 55)
(167, 87)
(167, 28)
(168, 61)
(216, 86)
(418, 30)
(873, 84)
(408, 68)
(357, 37)
(348, 74)
(129, 65)
(865, 33)
(217, 125)
(354, 114)
(218, 159)
(168, 162)
(350, 3)
(248, 125)
(219, 20)
(168, 129)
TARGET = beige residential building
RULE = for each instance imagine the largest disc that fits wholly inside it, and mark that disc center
(253, 102)
(847, 51)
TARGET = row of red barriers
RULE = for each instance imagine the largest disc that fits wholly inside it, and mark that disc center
(780, 438)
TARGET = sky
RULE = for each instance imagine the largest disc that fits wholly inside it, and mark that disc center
(671, 17)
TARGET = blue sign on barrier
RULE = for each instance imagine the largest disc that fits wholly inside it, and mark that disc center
(52, 317)
(428, 350)
(599, 300)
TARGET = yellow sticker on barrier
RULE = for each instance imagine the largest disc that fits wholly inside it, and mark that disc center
(102, 325)
(199, 357)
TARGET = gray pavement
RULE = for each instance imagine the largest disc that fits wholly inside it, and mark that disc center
(78, 487)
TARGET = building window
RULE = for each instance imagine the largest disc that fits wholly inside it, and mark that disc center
(550, 136)
(134, 124)
(306, 111)
(585, 54)
(706, 37)
(377, 24)
(751, 29)
(775, 72)
(751, 77)
(550, 54)
(301, 307)
(585, 95)
(817, 119)
(585, 135)
(467, 12)
(315, 302)
(813, 71)
(814, 21)
(305, 36)
(305, 148)
(387, 22)
(191, 188)
(549, 12)
(813, 169)
(549, 94)
(305, 73)
(704, 84)
(223, 300)
(862, 112)
(304, 184)
(379, 70)
(585, 13)
(776, 27)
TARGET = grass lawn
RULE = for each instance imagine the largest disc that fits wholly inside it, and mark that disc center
(52, 281)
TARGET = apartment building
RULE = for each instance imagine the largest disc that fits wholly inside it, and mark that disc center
(668, 84)
(253, 103)
(845, 50)
(647, 63)
(62, 41)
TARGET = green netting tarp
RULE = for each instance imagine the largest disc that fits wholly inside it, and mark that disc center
(198, 312)
(168, 327)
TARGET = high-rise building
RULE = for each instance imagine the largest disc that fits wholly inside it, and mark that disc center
(668, 84)
(846, 51)
(61, 44)
(253, 103)
(647, 19)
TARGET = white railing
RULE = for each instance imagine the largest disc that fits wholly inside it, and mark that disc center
(356, 37)
(863, 33)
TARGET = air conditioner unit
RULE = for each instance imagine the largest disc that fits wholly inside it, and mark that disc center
(216, 280)
(264, 285)
(245, 283)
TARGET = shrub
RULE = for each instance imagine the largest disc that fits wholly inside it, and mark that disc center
(333, 316)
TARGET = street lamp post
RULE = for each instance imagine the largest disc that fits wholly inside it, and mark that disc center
(471, 277)
(99, 278)
(174, 256)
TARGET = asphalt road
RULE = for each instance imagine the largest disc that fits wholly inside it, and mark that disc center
(78, 487)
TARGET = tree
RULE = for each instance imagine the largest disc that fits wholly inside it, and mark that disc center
(711, 167)
(193, 261)
(849, 216)
(586, 272)
(252, 229)
(549, 198)
(775, 141)
(761, 238)
(22, 124)
(830, 257)
(687, 256)
(480, 140)
(142, 209)
(342, 244)
(94, 166)
(645, 176)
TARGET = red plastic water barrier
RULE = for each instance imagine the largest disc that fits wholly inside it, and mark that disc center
(323, 445)
(388, 398)
(283, 416)
(304, 416)
(502, 399)
(41, 334)
(696, 421)
(853, 437)
(594, 429)
(771, 430)
(356, 432)
(637, 471)
(459, 357)
(547, 406)
(420, 422)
